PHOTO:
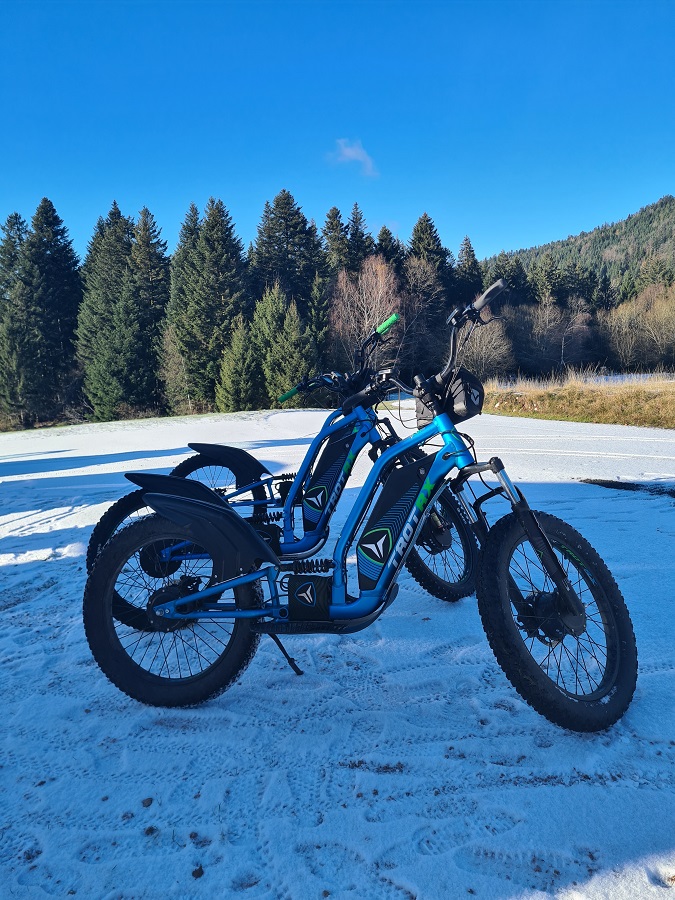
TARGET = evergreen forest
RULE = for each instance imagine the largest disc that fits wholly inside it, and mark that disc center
(133, 331)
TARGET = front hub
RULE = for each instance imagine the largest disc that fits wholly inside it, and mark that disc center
(552, 620)
(435, 535)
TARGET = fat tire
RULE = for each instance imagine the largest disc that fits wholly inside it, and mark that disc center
(603, 707)
(463, 583)
(112, 520)
(118, 666)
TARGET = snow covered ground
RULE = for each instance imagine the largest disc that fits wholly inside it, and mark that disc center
(401, 765)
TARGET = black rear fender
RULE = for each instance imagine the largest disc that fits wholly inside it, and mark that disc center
(219, 530)
(246, 468)
(176, 487)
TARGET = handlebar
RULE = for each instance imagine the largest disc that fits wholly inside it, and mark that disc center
(387, 324)
(458, 316)
(337, 383)
(333, 381)
(287, 396)
(493, 291)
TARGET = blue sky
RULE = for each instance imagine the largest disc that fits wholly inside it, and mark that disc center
(512, 121)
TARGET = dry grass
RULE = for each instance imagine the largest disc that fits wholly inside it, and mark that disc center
(649, 403)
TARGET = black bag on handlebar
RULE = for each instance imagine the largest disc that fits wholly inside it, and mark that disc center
(461, 397)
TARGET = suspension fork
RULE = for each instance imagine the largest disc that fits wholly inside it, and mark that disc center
(574, 607)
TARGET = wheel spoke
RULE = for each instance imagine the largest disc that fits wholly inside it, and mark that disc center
(577, 665)
(184, 651)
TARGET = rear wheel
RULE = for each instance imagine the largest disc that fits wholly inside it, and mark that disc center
(585, 681)
(445, 556)
(158, 660)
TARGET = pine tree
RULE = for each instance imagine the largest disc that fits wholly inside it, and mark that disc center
(360, 244)
(392, 249)
(287, 250)
(21, 353)
(654, 270)
(38, 320)
(183, 260)
(266, 328)
(520, 290)
(214, 294)
(627, 288)
(425, 314)
(131, 358)
(425, 244)
(287, 361)
(578, 282)
(605, 296)
(172, 366)
(104, 277)
(236, 388)
(499, 267)
(335, 240)
(15, 231)
(268, 316)
(547, 279)
(317, 324)
(468, 275)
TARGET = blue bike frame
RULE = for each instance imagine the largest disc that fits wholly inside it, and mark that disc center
(454, 454)
(364, 432)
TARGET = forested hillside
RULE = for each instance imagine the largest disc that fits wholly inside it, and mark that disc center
(637, 249)
(134, 331)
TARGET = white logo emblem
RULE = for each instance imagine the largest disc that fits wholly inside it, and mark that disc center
(317, 499)
(377, 548)
(306, 595)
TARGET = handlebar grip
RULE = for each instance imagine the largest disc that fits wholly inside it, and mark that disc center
(489, 295)
(287, 395)
(387, 324)
(365, 398)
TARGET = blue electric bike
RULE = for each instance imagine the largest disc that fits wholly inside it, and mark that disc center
(206, 585)
(444, 558)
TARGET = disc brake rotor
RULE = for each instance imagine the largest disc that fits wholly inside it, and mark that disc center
(542, 618)
(436, 537)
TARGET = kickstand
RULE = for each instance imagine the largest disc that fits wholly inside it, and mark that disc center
(291, 662)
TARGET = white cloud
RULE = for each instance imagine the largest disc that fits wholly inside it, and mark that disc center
(353, 151)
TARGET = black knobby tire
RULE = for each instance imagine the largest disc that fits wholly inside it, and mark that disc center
(123, 512)
(163, 662)
(584, 683)
(131, 507)
(445, 558)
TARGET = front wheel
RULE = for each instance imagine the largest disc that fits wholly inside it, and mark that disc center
(156, 660)
(583, 682)
(445, 556)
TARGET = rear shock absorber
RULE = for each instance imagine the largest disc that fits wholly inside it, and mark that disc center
(283, 484)
(312, 566)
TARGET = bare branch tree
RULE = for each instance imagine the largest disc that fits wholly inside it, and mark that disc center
(488, 351)
(360, 304)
